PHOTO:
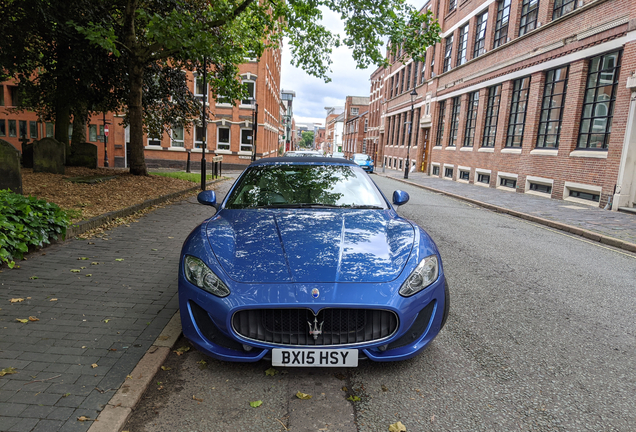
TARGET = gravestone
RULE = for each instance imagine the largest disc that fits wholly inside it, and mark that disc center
(27, 155)
(49, 156)
(10, 172)
(83, 155)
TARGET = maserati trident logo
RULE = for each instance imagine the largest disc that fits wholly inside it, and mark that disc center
(315, 293)
(315, 330)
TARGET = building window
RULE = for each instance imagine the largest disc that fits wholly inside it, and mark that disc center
(435, 170)
(483, 178)
(354, 111)
(23, 129)
(440, 123)
(404, 126)
(471, 119)
(462, 46)
(251, 87)
(480, 35)
(92, 133)
(154, 138)
(454, 127)
(508, 182)
(543, 188)
(407, 81)
(501, 26)
(366, 124)
(598, 106)
(222, 138)
(464, 175)
(556, 83)
(400, 167)
(585, 195)
(432, 63)
(518, 106)
(391, 87)
(13, 95)
(448, 53)
(199, 87)
(3, 127)
(448, 172)
(177, 137)
(529, 15)
(199, 136)
(561, 7)
(246, 140)
(364, 145)
(13, 129)
(417, 126)
(50, 129)
(492, 114)
(423, 70)
(33, 129)
(1, 95)
(416, 65)
(452, 4)
(397, 84)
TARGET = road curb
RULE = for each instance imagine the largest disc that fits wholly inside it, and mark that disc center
(590, 235)
(83, 226)
(115, 414)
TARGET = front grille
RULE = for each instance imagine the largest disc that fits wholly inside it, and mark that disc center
(292, 326)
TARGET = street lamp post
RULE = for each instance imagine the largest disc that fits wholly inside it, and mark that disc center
(105, 129)
(254, 126)
(204, 123)
(413, 95)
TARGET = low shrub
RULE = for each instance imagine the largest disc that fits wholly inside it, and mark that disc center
(193, 177)
(27, 222)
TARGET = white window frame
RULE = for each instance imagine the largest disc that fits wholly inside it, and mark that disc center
(581, 187)
(229, 142)
(173, 140)
(484, 172)
(508, 176)
(463, 168)
(252, 97)
(241, 144)
(354, 111)
(541, 181)
(149, 140)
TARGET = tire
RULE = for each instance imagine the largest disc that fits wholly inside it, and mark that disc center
(446, 305)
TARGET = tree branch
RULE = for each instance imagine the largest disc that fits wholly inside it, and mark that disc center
(239, 10)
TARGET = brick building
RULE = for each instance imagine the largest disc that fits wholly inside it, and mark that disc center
(532, 96)
(333, 129)
(376, 112)
(355, 125)
(229, 128)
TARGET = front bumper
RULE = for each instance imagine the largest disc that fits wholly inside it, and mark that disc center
(207, 320)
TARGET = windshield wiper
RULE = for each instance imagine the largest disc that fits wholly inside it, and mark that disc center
(360, 206)
(304, 205)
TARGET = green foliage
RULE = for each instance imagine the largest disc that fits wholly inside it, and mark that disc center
(25, 222)
(193, 177)
(307, 139)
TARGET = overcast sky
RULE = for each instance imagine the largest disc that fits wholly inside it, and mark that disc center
(312, 94)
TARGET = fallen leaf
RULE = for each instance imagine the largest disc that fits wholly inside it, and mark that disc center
(354, 399)
(53, 299)
(129, 377)
(8, 371)
(23, 321)
(112, 349)
(89, 275)
(196, 398)
(256, 404)
(166, 368)
(303, 396)
(83, 346)
(385, 388)
(94, 263)
(170, 237)
(154, 249)
(160, 388)
(106, 320)
(397, 427)
(33, 277)
(271, 372)
(28, 298)
(82, 268)
(84, 418)
(75, 270)
(32, 318)
(202, 364)
(82, 258)
(163, 337)
(91, 242)
(94, 365)
(119, 259)
(66, 394)
(17, 300)
(181, 350)
(344, 389)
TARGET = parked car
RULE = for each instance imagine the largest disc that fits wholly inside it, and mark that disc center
(364, 161)
(307, 263)
(338, 155)
(303, 153)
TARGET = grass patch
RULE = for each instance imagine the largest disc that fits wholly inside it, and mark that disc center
(193, 177)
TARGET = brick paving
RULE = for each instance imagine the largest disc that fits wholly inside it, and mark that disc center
(618, 225)
(109, 318)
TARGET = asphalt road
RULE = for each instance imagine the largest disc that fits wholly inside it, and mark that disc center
(540, 337)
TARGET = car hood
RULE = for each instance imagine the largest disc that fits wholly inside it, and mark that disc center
(307, 246)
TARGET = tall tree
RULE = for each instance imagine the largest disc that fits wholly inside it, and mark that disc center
(225, 32)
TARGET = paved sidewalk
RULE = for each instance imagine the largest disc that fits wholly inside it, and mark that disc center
(571, 216)
(93, 325)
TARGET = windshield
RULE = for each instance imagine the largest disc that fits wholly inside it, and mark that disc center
(361, 157)
(311, 186)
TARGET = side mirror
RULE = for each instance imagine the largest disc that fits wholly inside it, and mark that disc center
(400, 198)
(207, 197)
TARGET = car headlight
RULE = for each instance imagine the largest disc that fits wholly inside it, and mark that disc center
(424, 274)
(199, 274)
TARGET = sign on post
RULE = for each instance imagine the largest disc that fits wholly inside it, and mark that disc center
(106, 130)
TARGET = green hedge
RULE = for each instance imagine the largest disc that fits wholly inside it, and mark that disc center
(27, 222)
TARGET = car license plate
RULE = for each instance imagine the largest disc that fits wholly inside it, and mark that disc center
(314, 357)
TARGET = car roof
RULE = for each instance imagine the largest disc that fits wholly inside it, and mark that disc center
(302, 160)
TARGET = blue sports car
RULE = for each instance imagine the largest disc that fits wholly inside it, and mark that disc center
(308, 264)
(364, 160)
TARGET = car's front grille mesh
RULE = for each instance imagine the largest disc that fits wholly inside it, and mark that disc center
(334, 326)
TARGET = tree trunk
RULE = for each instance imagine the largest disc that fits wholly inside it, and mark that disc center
(136, 76)
(62, 122)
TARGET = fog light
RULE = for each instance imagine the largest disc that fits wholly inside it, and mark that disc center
(249, 348)
(383, 347)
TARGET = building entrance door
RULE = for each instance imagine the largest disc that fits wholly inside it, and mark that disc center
(426, 153)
